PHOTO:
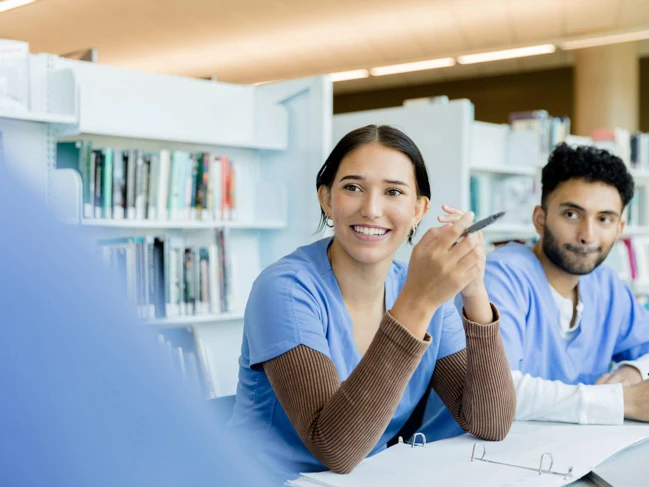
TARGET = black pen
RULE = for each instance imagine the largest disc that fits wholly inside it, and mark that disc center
(483, 223)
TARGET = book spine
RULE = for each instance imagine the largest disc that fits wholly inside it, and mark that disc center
(140, 197)
(154, 171)
(130, 184)
(99, 166)
(163, 184)
(119, 186)
(107, 191)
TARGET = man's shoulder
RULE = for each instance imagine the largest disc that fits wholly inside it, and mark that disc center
(603, 276)
(513, 256)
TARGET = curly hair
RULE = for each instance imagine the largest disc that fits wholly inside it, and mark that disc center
(587, 163)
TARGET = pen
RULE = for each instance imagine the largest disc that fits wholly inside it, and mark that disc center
(483, 223)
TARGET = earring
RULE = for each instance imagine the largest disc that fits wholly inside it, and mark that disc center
(412, 231)
(329, 221)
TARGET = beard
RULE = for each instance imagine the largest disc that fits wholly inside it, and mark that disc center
(572, 258)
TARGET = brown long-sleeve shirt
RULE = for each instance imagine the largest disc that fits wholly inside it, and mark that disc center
(341, 423)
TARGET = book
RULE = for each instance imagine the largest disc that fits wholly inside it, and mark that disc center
(119, 186)
(107, 181)
(131, 163)
(98, 188)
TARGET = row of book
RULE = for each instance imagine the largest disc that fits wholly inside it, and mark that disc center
(167, 185)
(630, 258)
(548, 131)
(191, 359)
(517, 195)
(637, 212)
(631, 147)
(165, 278)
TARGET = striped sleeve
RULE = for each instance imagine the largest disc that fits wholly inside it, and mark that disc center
(476, 385)
(340, 423)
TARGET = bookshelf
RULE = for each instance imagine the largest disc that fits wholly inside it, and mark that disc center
(183, 321)
(185, 225)
(505, 170)
(28, 136)
(278, 135)
(39, 117)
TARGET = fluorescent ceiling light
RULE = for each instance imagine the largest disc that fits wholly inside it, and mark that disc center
(605, 40)
(11, 4)
(506, 54)
(417, 66)
(347, 75)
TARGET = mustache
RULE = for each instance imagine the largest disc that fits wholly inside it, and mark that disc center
(582, 250)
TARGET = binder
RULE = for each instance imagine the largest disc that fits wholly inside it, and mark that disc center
(533, 454)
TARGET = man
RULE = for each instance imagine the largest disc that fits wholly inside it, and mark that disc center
(564, 317)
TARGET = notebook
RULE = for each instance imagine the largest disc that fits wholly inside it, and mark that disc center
(533, 454)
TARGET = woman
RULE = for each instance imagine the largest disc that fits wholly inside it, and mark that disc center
(341, 342)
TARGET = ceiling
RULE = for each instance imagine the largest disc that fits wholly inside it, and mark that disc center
(247, 41)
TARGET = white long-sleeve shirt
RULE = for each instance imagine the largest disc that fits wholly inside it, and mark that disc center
(547, 400)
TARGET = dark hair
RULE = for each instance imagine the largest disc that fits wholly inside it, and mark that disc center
(387, 137)
(588, 163)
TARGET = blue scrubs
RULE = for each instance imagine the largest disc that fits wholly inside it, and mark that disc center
(297, 301)
(89, 398)
(613, 326)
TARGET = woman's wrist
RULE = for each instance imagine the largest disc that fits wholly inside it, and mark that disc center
(477, 307)
(413, 314)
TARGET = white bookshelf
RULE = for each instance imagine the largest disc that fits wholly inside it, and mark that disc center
(29, 135)
(39, 117)
(514, 229)
(185, 225)
(183, 321)
(278, 135)
(640, 175)
(636, 231)
(506, 170)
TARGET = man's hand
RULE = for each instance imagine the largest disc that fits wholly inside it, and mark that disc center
(636, 401)
(625, 375)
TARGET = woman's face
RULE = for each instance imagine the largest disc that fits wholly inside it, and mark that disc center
(373, 202)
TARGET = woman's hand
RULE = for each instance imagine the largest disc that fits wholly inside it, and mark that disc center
(439, 269)
(476, 287)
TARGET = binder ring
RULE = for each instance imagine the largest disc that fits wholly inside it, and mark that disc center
(541, 464)
(484, 451)
(540, 470)
(414, 443)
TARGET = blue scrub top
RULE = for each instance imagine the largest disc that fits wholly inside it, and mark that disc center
(613, 326)
(297, 301)
(89, 398)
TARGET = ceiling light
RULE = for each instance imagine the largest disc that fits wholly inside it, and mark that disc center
(506, 54)
(605, 40)
(417, 66)
(11, 4)
(347, 75)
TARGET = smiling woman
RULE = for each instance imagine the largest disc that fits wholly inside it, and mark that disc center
(341, 342)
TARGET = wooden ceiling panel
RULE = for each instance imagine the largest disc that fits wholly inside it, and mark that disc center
(588, 16)
(483, 27)
(633, 13)
(532, 20)
(253, 40)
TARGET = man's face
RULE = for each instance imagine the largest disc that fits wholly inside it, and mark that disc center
(581, 223)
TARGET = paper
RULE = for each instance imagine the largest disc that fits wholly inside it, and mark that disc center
(448, 462)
